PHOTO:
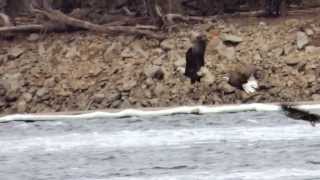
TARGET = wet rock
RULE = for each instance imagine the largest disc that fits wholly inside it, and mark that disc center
(15, 53)
(231, 38)
(302, 40)
(154, 72)
(33, 37)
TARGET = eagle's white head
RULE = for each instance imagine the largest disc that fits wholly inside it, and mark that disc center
(251, 86)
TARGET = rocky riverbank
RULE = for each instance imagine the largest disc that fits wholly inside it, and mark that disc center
(84, 71)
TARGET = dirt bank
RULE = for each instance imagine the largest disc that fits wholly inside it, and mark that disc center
(84, 71)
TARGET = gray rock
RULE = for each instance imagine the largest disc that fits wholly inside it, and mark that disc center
(316, 97)
(231, 38)
(3, 90)
(302, 40)
(27, 97)
(21, 106)
(309, 31)
(288, 48)
(140, 51)
(116, 104)
(291, 61)
(113, 96)
(181, 70)
(128, 53)
(41, 93)
(168, 44)
(154, 72)
(207, 76)
(257, 57)
(228, 52)
(15, 52)
(227, 88)
(313, 49)
(159, 90)
(315, 28)
(98, 98)
(33, 37)
(51, 82)
(12, 84)
(125, 104)
(278, 51)
(180, 62)
(128, 85)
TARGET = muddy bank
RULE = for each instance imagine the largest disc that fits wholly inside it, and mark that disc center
(84, 71)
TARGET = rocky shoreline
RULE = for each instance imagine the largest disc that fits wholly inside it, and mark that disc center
(83, 71)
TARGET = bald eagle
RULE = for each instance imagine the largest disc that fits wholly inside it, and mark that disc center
(195, 57)
(243, 78)
(298, 114)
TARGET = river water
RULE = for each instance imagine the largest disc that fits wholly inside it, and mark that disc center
(233, 146)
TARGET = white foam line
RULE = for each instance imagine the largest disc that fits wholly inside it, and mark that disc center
(162, 112)
(136, 112)
(269, 174)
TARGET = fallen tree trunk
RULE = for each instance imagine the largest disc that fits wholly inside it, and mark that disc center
(57, 16)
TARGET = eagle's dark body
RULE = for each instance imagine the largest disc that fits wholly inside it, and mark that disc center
(195, 58)
(299, 114)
